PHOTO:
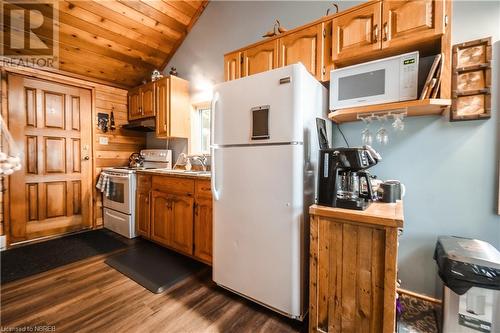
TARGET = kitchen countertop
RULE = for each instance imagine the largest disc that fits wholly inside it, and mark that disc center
(379, 213)
(170, 173)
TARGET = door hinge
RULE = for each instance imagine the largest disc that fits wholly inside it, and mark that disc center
(446, 20)
(324, 70)
(324, 32)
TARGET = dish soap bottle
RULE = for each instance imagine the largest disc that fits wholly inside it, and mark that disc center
(188, 164)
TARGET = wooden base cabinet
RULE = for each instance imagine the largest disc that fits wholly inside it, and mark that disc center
(160, 211)
(180, 223)
(177, 213)
(203, 221)
(353, 268)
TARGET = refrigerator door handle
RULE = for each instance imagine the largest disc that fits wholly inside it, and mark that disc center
(213, 105)
(215, 192)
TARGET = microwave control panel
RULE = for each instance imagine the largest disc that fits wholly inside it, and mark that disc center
(408, 80)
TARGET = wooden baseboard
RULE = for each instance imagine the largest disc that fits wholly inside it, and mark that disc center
(419, 296)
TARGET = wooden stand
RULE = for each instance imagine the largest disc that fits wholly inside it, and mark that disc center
(353, 268)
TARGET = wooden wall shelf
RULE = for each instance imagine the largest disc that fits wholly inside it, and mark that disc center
(426, 107)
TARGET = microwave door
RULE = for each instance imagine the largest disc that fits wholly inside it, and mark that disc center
(371, 84)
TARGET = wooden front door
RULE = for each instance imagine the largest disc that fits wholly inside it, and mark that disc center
(51, 125)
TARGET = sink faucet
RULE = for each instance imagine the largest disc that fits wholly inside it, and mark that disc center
(203, 161)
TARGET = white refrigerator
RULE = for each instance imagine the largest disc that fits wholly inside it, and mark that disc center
(264, 156)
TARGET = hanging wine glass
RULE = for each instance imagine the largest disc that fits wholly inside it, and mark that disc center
(382, 135)
(366, 134)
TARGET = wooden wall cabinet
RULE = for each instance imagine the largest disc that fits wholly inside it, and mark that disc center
(168, 100)
(370, 31)
(172, 108)
(232, 66)
(352, 262)
(408, 22)
(260, 58)
(134, 103)
(141, 101)
(305, 46)
(148, 99)
(180, 215)
(356, 32)
(395, 26)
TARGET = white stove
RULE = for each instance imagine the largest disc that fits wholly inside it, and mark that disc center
(119, 205)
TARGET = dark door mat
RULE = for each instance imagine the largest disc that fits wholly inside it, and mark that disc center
(24, 261)
(154, 267)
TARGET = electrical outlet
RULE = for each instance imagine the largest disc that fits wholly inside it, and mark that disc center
(103, 140)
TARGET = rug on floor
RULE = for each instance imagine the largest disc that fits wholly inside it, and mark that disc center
(28, 260)
(154, 267)
(419, 316)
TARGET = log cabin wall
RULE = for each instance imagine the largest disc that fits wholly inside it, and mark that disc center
(121, 143)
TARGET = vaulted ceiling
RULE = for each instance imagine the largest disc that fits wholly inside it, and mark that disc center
(122, 41)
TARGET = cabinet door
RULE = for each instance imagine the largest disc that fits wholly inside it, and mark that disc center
(148, 100)
(232, 66)
(260, 58)
(134, 104)
(161, 204)
(142, 213)
(180, 225)
(408, 22)
(305, 46)
(162, 107)
(356, 32)
(203, 229)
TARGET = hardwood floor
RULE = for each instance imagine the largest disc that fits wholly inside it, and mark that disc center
(93, 297)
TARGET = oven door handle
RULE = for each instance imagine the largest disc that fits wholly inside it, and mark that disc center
(116, 176)
(115, 216)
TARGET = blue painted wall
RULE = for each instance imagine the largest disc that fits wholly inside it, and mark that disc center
(450, 169)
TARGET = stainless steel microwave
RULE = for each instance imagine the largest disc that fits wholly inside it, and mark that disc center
(385, 80)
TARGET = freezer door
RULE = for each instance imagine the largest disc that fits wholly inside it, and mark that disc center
(258, 224)
(239, 108)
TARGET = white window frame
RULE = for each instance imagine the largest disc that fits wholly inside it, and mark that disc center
(196, 128)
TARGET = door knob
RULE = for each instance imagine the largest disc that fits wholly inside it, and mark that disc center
(86, 158)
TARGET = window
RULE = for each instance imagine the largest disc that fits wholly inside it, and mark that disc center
(201, 128)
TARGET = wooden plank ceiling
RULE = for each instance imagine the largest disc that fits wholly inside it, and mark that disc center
(122, 41)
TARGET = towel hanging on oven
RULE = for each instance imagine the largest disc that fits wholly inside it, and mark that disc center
(103, 183)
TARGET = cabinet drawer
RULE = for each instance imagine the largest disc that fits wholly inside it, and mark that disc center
(143, 182)
(202, 188)
(173, 185)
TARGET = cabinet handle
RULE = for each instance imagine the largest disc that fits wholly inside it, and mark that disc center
(147, 200)
(375, 33)
(386, 32)
(196, 209)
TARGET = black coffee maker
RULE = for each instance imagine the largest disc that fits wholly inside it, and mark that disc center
(343, 180)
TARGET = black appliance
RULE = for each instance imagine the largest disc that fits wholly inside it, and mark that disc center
(343, 180)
